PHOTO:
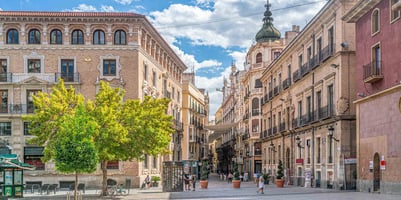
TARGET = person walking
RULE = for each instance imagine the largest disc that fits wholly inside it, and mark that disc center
(261, 185)
(186, 182)
(193, 182)
(147, 181)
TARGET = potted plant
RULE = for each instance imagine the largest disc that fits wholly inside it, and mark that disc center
(266, 178)
(279, 176)
(236, 179)
(155, 181)
(204, 176)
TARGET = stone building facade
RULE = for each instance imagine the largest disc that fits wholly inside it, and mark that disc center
(378, 79)
(83, 48)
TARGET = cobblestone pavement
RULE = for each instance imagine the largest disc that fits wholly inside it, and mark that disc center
(218, 189)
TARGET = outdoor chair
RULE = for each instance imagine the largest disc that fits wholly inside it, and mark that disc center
(44, 188)
(81, 187)
(52, 187)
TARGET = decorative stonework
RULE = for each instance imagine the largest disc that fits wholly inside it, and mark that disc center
(342, 105)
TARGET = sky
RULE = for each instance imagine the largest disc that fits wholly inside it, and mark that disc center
(208, 35)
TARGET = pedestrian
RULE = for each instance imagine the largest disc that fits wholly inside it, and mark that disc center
(147, 181)
(261, 185)
(186, 182)
(193, 182)
(229, 177)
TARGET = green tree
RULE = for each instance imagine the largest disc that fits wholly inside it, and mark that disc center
(280, 170)
(76, 152)
(236, 173)
(204, 172)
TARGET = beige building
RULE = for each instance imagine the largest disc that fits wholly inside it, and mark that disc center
(195, 116)
(83, 48)
(308, 119)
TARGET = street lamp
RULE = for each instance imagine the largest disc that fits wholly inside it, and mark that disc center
(331, 134)
(299, 141)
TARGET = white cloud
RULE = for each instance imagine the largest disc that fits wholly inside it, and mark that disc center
(104, 8)
(83, 8)
(1, 9)
(225, 24)
(124, 2)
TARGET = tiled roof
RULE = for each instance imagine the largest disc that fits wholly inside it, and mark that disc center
(67, 14)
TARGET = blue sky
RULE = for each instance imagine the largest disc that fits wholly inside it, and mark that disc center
(208, 35)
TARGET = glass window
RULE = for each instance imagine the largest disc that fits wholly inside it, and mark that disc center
(395, 14)
(34, 37)
(98, 37)
(154, 78)
(4, 101)
(56, 37)
(330, 99)
(376, 54)
(119, 37)
(34, 66)
(112, 164)
(77, 37)
(154, 164)
(375, 20)
(259, 58)
(33, 156)
(29, 100)
(67, 70)
(145, 72)
(26, 128)
(109, 67)
(12, 36)
(3, 70)
(5, 128)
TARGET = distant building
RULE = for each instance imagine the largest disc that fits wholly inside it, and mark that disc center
(83, 48)
(378, 88)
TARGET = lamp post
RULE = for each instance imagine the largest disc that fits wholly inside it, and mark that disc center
(299, 141)
(331, 138)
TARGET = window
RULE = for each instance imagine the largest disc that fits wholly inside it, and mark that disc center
(12, 36)
(34, 66)
(258, 83)
(330, 160)
(309, 108)
(300, 61)
(33, 155)
(77, 37)
(56, 37)
(112, 164)
(308, 151)
(67, 70)
(109, 67)
(331, 40)
(145, 72)
(309, 56)
(29, 100)
(376, 60)
(330, 100)
(395, 14)
(98, 37)
(318, 104)
(375, 20)
(276, 55)
(145, 162)
(4, 101)
(319, 50)
(34, 37)
(3, 70)
(26, 128)
(154, 78)
(119, 37)
(173, 92)
(259, 58)
(154, 163)
(318, 150)
(299, 113)
(5, 128)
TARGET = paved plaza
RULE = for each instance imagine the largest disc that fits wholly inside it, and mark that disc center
(222, 190)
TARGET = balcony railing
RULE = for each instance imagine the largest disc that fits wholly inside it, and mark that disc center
(17, 109)
(68, 77)
(328, 51)
(5, 77)
(372, 72)
(286, 83)
(296, 75)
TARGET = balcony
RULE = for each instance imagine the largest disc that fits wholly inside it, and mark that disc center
(5, 77)
(296, 75)
(276, 91)
(305, 69)
(372, 72)
(327, 52)
(178, 125)
(17, 109)
(256, 112)
(286, 83)
(68, 77)
(281, 127)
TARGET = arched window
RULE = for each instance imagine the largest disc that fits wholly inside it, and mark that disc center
(12, 36)
(77, 37)
(259, 58)
(375, 20)
(98, 37)
(56, 37)
(119, 37)
(34, 36)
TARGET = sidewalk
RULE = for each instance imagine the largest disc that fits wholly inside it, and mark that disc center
(218, 189)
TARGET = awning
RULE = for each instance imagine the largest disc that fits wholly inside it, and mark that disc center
(219, 129)
(11, 161)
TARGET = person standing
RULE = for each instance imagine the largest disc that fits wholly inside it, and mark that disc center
(186, 182)
(147, 181)
(261, 185)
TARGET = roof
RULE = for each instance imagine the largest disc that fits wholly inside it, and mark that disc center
(359, 10)
(67, 14)
(219, 129)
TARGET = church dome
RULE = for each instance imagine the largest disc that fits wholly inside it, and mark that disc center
(268, 32)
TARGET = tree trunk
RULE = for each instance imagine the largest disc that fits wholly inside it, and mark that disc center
(76, 186)
(103, 165)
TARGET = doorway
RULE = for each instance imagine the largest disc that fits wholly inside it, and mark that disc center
(376, 173)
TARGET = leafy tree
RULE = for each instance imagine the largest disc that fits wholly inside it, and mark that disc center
(236, 173)
(204, 172)
(75, 152)
(280, 170)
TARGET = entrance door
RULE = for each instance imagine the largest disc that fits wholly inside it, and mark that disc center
(376, 173)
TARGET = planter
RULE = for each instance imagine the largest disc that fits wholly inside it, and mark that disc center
(203, 184)
(236, 183)
(155, 184)
(280, 183)
(266, 181)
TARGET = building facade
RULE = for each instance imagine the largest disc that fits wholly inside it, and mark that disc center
(195, 109)
(378, 79)
(308, 119)
(83, 48)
